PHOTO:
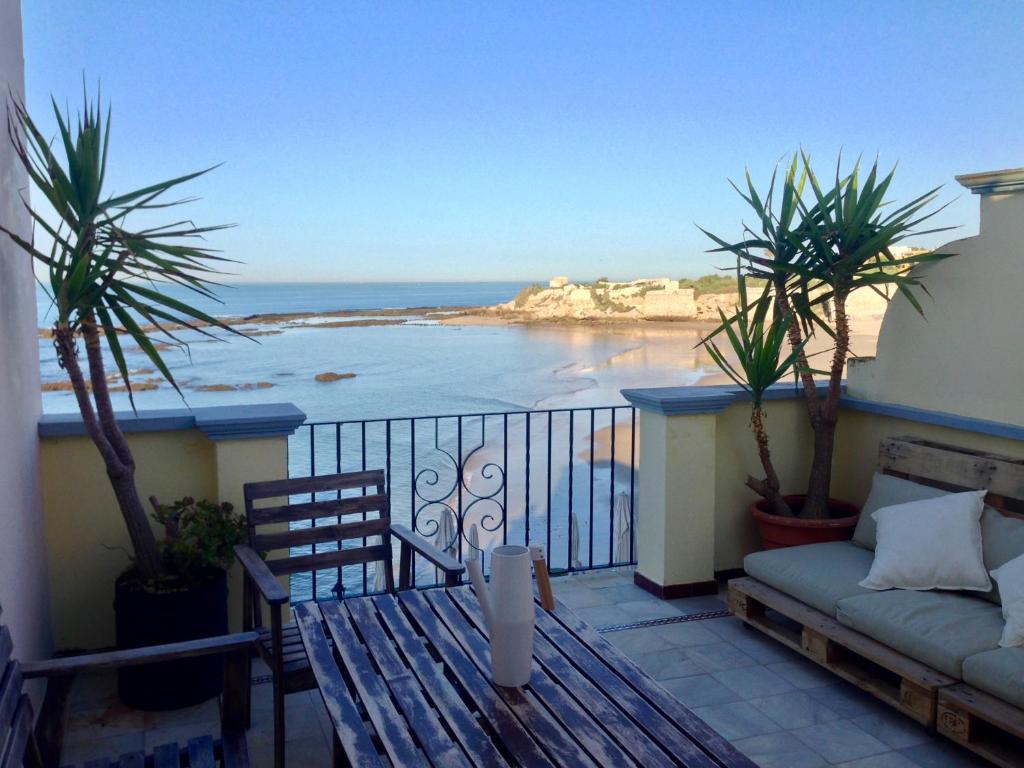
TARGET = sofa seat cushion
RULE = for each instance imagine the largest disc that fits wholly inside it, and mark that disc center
(817, 574)
(939, 629)
(999, 672)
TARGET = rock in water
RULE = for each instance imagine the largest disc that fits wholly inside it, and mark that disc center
(332, 376)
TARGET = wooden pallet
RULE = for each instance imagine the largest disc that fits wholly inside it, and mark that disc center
(983, 724)
(907, 685)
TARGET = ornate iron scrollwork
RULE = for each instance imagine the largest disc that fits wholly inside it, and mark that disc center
(458, 497)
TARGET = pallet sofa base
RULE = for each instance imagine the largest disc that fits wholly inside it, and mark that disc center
(983, 724)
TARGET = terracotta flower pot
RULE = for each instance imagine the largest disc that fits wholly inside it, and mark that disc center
(777, 531)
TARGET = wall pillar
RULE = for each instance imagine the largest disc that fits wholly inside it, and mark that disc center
(676, 525)
(250, 445)
(202, 452)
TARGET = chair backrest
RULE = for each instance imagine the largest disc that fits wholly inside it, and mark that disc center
(326, 501)
(956, 469)
(17, 741)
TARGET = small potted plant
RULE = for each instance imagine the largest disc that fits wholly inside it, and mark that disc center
(105, 278)
(188, 600)
(809, 255)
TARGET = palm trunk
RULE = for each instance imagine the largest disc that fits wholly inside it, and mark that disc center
(796, 339)
(769, 486)
(820, 480)
(101, 425)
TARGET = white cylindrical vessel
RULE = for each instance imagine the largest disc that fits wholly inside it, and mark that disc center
(511, 630)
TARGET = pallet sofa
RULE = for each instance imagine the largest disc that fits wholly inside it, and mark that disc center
(932, 655)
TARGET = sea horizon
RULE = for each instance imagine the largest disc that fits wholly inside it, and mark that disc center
(249, 298)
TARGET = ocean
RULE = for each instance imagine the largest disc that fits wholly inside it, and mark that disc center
(422, 367)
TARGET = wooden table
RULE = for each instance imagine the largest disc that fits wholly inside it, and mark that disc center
(407, 676)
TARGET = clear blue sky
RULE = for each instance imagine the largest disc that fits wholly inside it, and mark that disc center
(441, 140)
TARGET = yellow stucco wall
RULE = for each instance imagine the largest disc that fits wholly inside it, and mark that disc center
(706, 502)
(736, 457)
(692, 500)
(964, 357)
(858, 435)
(86, 539)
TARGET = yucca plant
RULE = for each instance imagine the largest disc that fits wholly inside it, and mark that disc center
(815, 250)
(105, 280)
(758, 345)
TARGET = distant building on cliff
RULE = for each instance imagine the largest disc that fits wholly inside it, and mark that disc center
(558, 282)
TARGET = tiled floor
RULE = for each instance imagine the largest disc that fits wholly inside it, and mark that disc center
(777, 707)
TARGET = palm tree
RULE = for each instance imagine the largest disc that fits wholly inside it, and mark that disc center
(106, 279)
(813, 254)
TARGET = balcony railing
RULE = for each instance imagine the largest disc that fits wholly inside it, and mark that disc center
(564, 478)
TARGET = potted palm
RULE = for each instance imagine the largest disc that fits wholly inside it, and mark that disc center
(810, 253)
(107, 281)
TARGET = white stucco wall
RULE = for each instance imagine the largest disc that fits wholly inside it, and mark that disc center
(23, 582)
(966, 356)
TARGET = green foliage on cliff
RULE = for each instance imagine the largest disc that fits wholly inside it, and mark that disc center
(525, 293)
(717, 283)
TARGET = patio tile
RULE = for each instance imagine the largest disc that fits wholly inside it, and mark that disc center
(686, 633)
(699, 690)
(78, 749)
(942, 754)
(795, 710)
(701, 604)
(631, 641)
(666, 664)
(848, 701)
(728, 628)
(779, 750)
(753, 682)
(204, 712)
(719, 656)
(624, 592)
(107, 722)
(840, 741)
(765, 649)
(180, 734)
(604, 616)
(582, 597)
(894, 729)
(648, 609)
(736, 720)
(803, 674)
(884, 760)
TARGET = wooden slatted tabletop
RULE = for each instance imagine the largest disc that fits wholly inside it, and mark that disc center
(406, 679)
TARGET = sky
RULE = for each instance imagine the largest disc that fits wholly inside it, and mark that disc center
(519, 140)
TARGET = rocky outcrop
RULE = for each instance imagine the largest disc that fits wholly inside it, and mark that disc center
(328, 376)
(647, 299)
(234, 387)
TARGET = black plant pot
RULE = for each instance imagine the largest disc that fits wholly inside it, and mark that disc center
(153, 618)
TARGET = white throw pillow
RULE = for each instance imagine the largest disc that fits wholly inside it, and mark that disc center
(1010, 577)
(930, 544)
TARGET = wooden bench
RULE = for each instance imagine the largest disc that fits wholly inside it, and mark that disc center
(974, 719)
(19, 745)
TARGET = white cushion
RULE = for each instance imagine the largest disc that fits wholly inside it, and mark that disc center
(930, 544)
(1010, 577)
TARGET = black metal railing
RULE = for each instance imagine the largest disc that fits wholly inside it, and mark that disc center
(564, 478)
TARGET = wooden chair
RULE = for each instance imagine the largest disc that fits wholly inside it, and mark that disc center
(281, 646)
(20, 747)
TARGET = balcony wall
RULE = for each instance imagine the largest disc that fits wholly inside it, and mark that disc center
(953, 378)
(204, 453)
